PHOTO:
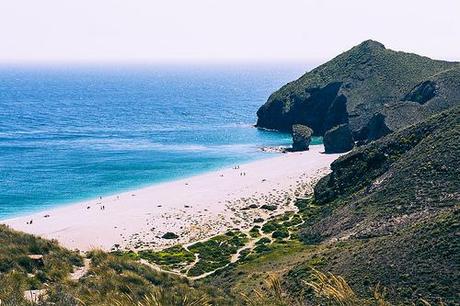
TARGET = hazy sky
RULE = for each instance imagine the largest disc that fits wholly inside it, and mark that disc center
(218, 30)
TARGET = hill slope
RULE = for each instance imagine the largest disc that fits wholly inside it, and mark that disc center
(31, 263)
(357, 84)
(388, 216)
(395, 205)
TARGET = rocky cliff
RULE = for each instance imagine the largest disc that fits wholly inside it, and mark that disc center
(373, 89)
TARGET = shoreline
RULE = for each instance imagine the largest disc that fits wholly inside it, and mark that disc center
(269, 151)
(64, 203)
(194, 208)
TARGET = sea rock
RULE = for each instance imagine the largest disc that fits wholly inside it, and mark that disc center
(338, 139)
(301, 137)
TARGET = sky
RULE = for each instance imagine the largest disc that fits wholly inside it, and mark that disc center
(221, 30)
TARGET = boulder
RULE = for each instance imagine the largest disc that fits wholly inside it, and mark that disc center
(301, 137)
(338, 139)
(269, 207)
(170, 235)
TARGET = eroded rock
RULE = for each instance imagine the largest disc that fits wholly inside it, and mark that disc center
(338, 139)
(301, 137)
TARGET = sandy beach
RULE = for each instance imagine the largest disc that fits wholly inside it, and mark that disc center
(193, 208)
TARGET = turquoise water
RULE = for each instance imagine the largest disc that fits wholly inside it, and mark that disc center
(71, 133)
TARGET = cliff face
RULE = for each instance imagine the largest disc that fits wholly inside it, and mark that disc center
(360, 83)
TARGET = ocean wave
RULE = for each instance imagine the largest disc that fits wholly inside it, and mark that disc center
(98, 132)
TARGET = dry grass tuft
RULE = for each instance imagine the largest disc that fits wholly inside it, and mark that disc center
(163, 297)
(333, 288)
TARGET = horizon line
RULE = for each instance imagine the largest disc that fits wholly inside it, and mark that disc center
(162, 61)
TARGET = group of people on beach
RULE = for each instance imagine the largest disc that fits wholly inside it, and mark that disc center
(241, 173)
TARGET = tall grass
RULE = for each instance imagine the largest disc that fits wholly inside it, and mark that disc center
(272, 294)
(164, 297)
(332, 288)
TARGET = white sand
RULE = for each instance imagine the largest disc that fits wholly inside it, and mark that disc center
(193, 208)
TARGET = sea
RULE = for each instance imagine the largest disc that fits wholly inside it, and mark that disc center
(74, 132)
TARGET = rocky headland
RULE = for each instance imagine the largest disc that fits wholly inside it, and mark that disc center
(373, 89)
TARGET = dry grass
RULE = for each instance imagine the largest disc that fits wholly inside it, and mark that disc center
(272, 294)
(333, 288)
(163, 297)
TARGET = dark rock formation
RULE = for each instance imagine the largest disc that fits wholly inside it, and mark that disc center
(329, 109)
(301, 137)
(269, 207)
(368, 79)
(338, 139)
(374, 129)
(422, 92)
(169, 235)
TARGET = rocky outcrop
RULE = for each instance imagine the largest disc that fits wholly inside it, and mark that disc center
(422, 92)
(338, 139)
(374, 129)
(301, 137)
(404, 88)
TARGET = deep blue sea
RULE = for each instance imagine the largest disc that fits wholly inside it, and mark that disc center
(71, 133)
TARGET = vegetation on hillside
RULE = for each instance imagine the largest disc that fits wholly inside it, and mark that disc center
(387, 216)
(109, 279)
(381, 229)
(395, 206)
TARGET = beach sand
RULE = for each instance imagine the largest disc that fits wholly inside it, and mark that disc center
(194, 208)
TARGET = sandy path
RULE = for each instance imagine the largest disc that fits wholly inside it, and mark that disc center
(193, 208)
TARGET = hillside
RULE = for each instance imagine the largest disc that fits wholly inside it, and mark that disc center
(29, 264)
(359, 84)
(386, 217)
(396, 205)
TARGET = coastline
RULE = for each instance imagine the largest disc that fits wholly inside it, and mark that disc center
(137, 186)
(194, 208)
